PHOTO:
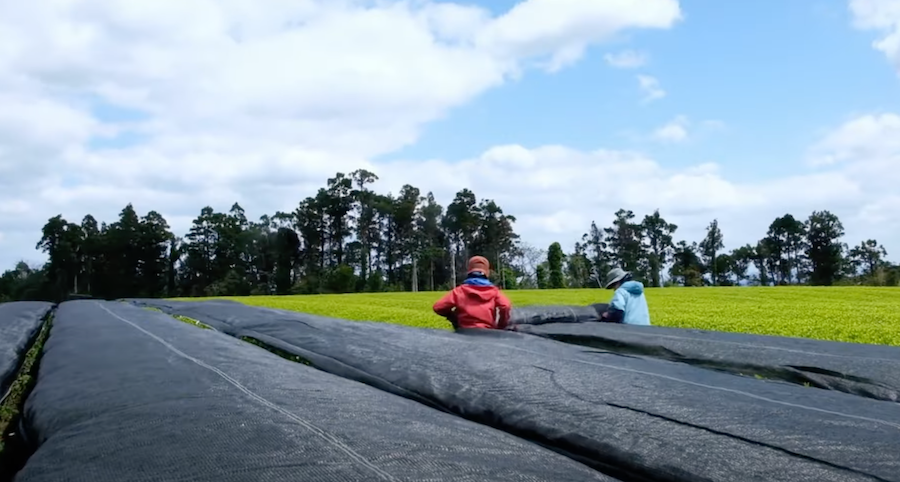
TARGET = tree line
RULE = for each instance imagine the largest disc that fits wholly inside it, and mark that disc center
(349, 238)
(793, 252)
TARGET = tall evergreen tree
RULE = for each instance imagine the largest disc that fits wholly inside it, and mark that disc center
(657, 233)
(555, 260)
(710, 246)
(824, 250)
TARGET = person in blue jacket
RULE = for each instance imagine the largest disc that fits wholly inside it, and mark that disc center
(628, 304)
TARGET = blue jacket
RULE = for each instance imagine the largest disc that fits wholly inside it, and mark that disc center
(629, 298)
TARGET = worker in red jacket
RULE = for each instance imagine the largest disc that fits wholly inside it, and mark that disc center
(476, 303)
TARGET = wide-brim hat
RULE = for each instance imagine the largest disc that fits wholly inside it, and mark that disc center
(615, 275)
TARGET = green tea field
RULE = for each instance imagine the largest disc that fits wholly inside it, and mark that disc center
(854, 314)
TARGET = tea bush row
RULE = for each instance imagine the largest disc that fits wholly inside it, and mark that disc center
(855, 314)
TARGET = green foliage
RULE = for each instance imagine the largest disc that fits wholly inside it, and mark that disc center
(277, 351)
(625, 242)
(543, 277)
(555, 258)
(659, 243)
(783, 245)
(867, 257)
(348, 238)
(710, 246)
(185, 319)
(687, 269)
(24, 283)
(341, 279)
(13, 401)
(192, 321)
(808, 312)
(824, 251)
(343, 239)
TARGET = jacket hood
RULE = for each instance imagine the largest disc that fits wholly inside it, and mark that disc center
(633, 287)
(483, 292)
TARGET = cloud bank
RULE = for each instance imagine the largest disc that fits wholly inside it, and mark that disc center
(176, 105)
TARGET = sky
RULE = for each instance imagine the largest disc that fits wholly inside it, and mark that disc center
(562, 111)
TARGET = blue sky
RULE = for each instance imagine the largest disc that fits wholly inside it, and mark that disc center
(777, 73)
(184, 117)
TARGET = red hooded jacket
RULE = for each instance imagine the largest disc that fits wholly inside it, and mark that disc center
(477, 306)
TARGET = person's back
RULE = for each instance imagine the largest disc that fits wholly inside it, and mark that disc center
(629, 297)
(476, 303)
(628, 304)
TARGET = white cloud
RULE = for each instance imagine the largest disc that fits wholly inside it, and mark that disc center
(563, 28)
(882, 16)
(172, 105)
(681, 129)
(261, 105)
(884, 212)
(675, 130)
(626, 59)
(555, 192)
(865, 151)
(651, 88)
(864, 138)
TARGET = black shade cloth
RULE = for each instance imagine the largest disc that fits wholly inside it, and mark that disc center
(541, 314)
(865, 370)
(19, 323)
(633, 417)
(128, 394)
